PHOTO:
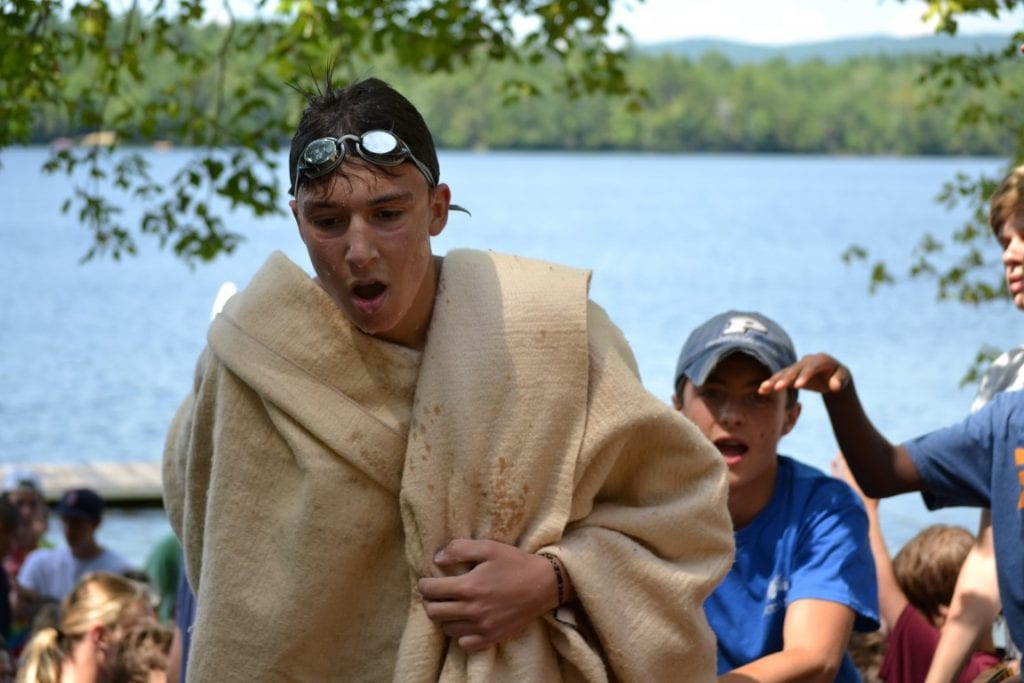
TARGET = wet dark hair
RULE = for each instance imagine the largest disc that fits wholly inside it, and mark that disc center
(361, 106)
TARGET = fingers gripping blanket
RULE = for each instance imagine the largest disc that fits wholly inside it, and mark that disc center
(315, 471)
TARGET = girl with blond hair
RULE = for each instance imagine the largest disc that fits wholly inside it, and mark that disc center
(82, 647)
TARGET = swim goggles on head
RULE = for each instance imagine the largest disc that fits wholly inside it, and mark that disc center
(379, 147)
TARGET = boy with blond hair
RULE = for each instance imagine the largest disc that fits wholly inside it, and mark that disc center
(978, 462)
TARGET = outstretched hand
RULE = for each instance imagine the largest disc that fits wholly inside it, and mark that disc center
(817, 372)
(501, 593)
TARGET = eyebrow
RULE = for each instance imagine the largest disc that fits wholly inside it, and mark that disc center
(373, 201)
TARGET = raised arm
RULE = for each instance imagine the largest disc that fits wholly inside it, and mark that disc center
(891, 598)
(974, 607)
(880, 468)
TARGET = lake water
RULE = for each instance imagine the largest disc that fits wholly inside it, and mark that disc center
(96, 357)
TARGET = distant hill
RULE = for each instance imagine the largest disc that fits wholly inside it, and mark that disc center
(830, 51)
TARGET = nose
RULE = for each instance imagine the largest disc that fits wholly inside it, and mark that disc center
(361, 249)
(730, 412)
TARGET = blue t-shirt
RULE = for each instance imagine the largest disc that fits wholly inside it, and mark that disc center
(980, 463)
(184, 615)
(810, 542)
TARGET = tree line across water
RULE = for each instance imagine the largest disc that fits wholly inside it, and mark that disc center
(860, 105)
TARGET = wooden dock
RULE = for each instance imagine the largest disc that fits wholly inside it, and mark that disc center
(121, 484)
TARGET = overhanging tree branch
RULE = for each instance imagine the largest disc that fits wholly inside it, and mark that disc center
(230, 124)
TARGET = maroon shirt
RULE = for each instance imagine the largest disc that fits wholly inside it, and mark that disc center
(911, 645)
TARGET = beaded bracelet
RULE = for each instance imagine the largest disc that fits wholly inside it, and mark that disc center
(559, 582)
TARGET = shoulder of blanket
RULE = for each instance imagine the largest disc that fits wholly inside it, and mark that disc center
(277, 298)
(278, 277)
(521, 266)
(204, 363)
(606, 340)
(511, 296)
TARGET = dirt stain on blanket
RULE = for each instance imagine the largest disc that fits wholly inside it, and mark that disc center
(509, 506)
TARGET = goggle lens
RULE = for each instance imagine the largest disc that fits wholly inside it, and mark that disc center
(383, 145)
(320, 157)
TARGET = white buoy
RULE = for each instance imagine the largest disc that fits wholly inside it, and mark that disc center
(226, 291)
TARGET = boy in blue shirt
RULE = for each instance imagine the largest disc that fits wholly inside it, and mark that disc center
(803, 577)
(978, 462)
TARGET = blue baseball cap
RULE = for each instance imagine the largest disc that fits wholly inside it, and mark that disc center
(733, 332)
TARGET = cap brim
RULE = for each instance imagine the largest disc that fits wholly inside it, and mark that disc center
(698, 371)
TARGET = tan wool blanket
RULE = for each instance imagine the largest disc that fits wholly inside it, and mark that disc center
(314, 471)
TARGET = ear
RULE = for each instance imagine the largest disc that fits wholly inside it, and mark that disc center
(440, 199)
(792, 415)
(99, 637)
(677, 402)
(942, 612)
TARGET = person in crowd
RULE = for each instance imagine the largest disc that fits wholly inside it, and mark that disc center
(9, 524)
(23, 488)
(51, 573)
(976, 462)
(47, 616)
(914, 593)
(184, 617)
(161, 567)
(867, 650)
(803, 578)
(459, 475)
(142, 654)
(84, 647)
(25, 491)
(7, 670)
(976, 600)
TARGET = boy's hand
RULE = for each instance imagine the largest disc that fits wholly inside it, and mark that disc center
(817, 372)
(496, 598)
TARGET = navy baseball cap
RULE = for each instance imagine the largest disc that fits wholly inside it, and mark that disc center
(733, 332)
(80, 503)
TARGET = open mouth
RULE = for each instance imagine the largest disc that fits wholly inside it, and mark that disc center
(731, 448)
(369, 291)
(369, 297)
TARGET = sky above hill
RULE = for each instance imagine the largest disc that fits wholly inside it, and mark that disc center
(761, 22)
(784, 22)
